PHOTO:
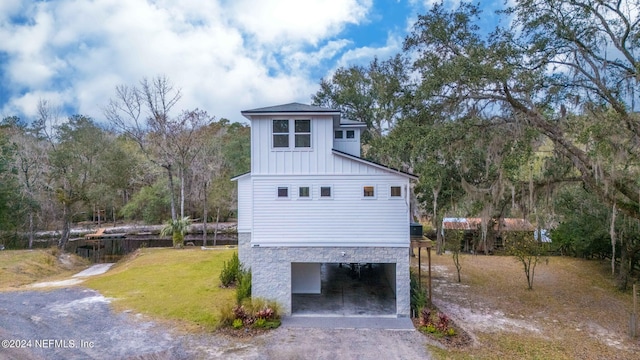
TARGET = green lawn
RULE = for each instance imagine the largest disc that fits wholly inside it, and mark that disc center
(170, 284)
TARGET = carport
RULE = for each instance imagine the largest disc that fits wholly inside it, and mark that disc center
(334, 289)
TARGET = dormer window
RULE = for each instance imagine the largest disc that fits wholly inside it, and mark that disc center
(282, 132)
(338, 134)
(351, 134)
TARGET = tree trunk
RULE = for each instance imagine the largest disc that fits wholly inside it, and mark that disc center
(612, 234)
(204, 217)
(66, 227)
(181, 193)
(215, 231)
(171, 193)
(30, 229)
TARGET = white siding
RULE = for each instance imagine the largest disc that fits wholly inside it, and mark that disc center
(316, 160)
(245, 204)
(350, 146)
(347, 219)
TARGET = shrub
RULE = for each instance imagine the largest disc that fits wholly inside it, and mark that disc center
(230, 271)
(418, 294)
(243, 290)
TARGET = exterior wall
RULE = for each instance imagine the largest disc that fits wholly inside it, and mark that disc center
(244, 249)
(350, 146)
(315, 160)
(345, 219)
(245, 206)
(271, 271)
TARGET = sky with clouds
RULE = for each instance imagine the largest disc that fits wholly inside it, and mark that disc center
(224, 55)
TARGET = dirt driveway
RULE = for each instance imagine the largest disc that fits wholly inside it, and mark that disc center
(77, 323)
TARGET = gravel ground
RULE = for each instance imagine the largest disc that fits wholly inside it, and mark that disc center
(77, 323)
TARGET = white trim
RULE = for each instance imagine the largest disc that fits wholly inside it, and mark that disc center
(302, 244)
(382, 167)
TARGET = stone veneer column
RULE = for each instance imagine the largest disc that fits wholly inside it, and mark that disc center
(244, 249)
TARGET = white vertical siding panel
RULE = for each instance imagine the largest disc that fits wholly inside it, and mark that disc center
(245, 206)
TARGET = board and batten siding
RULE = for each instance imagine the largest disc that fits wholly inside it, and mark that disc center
(245, 206)
(315, 160)
(345, 219)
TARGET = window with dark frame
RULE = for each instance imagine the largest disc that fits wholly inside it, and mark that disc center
(280, 133)
(325, 191)
(302, 133)
(283, 192)
(351, 134)
(369, 191)
(303, 192)
(396, 191)
(338, 134)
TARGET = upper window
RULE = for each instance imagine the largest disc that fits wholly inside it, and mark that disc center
(303, 133)
(396, 191)
(283, 192)
(325, 191)
(303, 191)
(338, 134)
(284, 130)
(280, 133)
(369, 191)
(351, 134)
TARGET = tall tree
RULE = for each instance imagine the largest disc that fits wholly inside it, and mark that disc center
(143, 113)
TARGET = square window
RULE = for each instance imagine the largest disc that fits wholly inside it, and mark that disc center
(283, 192)
(396, 191)
(280, 141)
(338, 134)
(303, 191)
(351, 134)
(325, 191)
(369, 191)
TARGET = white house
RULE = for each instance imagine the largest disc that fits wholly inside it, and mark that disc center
(310, 199)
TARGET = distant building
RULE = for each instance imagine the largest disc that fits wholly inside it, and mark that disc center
(472, 232)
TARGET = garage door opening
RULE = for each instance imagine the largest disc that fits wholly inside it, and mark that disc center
(343, 289)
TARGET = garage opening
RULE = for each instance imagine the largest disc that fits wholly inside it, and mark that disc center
(343, 289)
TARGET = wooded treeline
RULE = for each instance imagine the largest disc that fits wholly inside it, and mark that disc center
(140, 163)
(536, 119)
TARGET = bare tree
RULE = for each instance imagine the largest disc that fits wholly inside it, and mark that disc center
(143, 113)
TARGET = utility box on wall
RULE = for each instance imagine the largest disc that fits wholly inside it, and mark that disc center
(415, 229)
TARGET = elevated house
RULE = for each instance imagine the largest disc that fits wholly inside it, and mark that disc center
(310, 199)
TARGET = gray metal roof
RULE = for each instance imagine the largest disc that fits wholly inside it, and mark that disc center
(290, 108)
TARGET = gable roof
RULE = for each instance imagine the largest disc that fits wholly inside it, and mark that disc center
(291, 108)
(374, 164)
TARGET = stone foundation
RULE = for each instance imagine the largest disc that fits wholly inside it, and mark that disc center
(271, 269)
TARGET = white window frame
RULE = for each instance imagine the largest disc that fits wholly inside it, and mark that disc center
(372, 197)
(291, 135)
(296, 133)
(278, 197)
(309, 197)
(391, 197)
(330, 192)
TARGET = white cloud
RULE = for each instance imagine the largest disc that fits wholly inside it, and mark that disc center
(225, 55)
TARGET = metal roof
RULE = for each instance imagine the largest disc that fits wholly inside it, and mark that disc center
(506, 224)
(290, 108)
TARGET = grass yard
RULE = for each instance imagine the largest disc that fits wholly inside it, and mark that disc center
(22, 267)
(573, 312)
(177, 285)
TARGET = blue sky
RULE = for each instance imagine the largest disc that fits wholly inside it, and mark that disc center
(224, 55)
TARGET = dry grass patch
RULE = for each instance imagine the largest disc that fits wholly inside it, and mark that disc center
(22, 267)
(573, 311)
(170, 284)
